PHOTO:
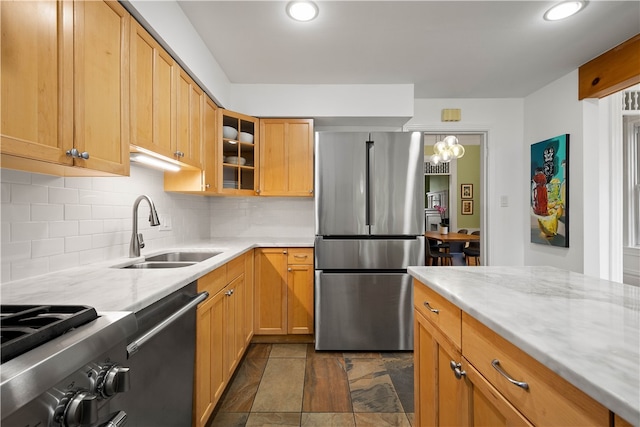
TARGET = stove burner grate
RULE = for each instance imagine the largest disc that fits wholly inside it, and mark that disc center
(24, 327)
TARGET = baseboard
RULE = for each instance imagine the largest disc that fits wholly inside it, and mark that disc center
(283, 339)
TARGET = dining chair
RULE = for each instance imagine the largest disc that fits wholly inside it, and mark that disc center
(434, 254)
(473, 251)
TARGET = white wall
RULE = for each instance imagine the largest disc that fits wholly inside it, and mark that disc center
(502, 119)
(51, 223)
(549, 112)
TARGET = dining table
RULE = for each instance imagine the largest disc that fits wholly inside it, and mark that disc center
(456, 242)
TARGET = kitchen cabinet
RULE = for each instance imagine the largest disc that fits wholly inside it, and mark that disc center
(457, 379)
(237, 153)
(283, 291)
(65, 87)
(205, 180)
(153, 95)
(286, 157)
(189, 119)
(222, 334)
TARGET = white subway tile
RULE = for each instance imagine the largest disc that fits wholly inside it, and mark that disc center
(47, 247)
(92, 226)
(101, 212)
(77, 243)
(47, 180)
(29, 231)
(29, 268)
(47, 212)
(15, 212)
(12, 251)
(5, 232)
(78, 182)
(64, 261)
(21, 193)
(14, 176)
(77, 212)
(63, 228)
(63, 195)
(5, 192)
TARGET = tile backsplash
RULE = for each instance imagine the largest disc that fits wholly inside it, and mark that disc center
(51, 223)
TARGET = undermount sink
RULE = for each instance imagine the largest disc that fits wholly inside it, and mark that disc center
(182, 256)
(146, 264)
(174, 259)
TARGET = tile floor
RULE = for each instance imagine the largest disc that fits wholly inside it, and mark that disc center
(293, 385)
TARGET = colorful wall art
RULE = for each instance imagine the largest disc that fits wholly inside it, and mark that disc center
(550, 192)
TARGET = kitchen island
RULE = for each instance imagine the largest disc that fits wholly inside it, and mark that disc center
(584, 330)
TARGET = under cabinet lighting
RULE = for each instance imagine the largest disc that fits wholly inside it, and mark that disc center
(153, 162)
(563, 10)
(302, 10)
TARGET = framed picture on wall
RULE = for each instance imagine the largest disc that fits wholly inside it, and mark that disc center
(467, 207)
(466, 191)
(549, 181)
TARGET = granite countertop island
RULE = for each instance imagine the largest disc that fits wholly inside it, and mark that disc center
(585, 329)
(106, 287)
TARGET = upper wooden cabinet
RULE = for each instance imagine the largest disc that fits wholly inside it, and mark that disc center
(286, 157)
(153, 94)
(190, 116)
(237, 151)
(65, 87)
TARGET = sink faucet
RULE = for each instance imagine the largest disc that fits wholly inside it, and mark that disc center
(136, 238)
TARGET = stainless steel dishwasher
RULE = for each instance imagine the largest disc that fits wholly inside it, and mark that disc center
(162, 355)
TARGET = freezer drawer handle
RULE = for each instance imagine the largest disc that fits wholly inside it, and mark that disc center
(135, 346)
(496, 365)
(433, 310)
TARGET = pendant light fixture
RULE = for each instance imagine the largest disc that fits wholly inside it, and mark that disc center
(446, 150)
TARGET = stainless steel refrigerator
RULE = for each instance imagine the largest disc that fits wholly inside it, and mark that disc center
(369, 209)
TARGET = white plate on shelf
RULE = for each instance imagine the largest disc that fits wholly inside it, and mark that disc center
(233, 160)
(229, 184)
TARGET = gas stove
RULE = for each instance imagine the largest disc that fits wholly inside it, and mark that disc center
(61, 365)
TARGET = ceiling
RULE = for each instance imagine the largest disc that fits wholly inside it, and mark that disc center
(447, 49)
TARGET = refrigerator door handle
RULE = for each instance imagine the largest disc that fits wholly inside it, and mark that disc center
(370, 190)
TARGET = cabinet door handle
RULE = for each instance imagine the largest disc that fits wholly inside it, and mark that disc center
(289, 269)
(457, 369)
(496, 365)
(77, 155)
(433, 310)
(284, 252)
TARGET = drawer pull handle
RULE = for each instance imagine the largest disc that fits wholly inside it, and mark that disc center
(496, 365)
(456, 368)
(433, 310)
(299, 256)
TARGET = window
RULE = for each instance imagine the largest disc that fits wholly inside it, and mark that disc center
(631, 135)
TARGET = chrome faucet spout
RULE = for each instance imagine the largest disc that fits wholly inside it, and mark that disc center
(136, 238)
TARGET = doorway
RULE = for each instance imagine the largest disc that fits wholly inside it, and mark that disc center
(459, 186)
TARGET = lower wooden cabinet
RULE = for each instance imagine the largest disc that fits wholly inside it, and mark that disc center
(283, 291)
(457, 384)
(223, 332)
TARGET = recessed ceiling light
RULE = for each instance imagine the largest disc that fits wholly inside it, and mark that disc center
(302, 10)
(563, 10)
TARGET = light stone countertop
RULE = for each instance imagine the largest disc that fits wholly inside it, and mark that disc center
(106, 288)
(585, 329)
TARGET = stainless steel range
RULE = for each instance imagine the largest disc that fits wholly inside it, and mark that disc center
(61, 365)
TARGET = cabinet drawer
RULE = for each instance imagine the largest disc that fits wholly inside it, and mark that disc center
(549, 399)
(214, 281)
(438, 310)
(235, 268)
(300, 256)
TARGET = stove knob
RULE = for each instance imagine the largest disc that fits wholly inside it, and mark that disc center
(116, 380)
(82, 410)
